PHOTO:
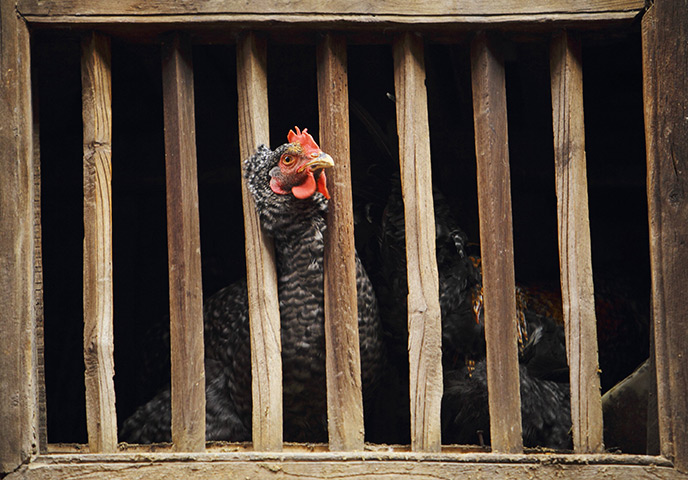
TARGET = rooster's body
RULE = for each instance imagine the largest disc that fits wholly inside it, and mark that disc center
(543, 370)
(290, 194)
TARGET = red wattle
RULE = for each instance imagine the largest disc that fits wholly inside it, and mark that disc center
(322, 185)
(275, 187)
(306, 189)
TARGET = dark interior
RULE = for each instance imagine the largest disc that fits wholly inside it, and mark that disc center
(615, 159)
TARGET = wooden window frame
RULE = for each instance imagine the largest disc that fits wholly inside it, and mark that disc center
(23, 445)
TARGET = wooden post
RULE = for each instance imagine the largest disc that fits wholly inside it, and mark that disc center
(496, 244)
(38, 275)
(577, 292)
(261, 275)
(425, 327)
(101, 418)
(184, 248)
(665, 93)
(336, 13)
(343, 359)
(18, 358)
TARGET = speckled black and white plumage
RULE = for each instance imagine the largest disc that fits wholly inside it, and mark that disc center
(543, 369)
(459, 281)
(545, 409)
(297, 226)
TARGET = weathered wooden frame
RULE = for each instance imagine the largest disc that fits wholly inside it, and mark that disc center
(665, 48)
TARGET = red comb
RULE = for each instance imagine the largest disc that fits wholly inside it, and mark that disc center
(304, 139)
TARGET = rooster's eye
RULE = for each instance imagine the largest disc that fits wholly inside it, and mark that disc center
(287, 159)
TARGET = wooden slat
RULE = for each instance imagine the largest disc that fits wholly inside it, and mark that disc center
(150, 26)
(578, 300)
(101, 418)
(652, 429)
(343, 359)
(18, 369)
(38, 274)
(657, 327)
(424, 324)
(496, 243)
(184, 248)
(261, 275)
(665, 83)
(239, 452)
(341, 7)
(359, 465)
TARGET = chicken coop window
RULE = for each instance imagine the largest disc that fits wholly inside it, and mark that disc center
(349, 239)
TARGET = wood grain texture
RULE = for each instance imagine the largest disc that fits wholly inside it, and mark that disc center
(496, 243)
(151, 26)
(242, 452)
(101, 417)
(361, 465)
(665, 92)
(38, 274)
(18, 315)
(184, 248)
(261, 274)
(577, 291)
(343, 359)
(652, 439)
(342, 7)
(424, 322)
(657, 326)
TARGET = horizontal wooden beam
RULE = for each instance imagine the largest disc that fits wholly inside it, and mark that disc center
(318, 452)
(143, 8)
(362, 21)
(358, 465)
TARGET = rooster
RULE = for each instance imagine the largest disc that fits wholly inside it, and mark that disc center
(289, 187)
(543, 369)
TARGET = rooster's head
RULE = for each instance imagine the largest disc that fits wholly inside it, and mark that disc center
(300, 167)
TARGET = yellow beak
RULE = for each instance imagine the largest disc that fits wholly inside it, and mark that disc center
(322, 160)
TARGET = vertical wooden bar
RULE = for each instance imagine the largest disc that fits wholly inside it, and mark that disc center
(18, 356)
(184, 248)
(101, 418)
(665, 83)
(649, 48)
(261, 275)
(577, 290)
(343, 359)
(425, 327)
(496, 243)
(652, 431)
(38, 274)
